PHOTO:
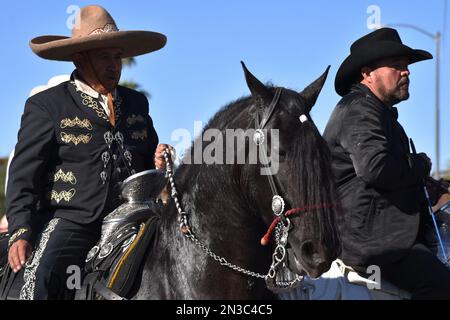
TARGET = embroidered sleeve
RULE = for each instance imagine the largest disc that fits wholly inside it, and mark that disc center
(16, 236)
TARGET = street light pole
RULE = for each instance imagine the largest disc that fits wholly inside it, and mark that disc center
(437, 133)
(437, 38)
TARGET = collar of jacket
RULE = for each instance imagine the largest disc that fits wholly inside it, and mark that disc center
(359, 87)
(84, 87)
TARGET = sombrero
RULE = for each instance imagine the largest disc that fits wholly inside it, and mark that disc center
(94, 29)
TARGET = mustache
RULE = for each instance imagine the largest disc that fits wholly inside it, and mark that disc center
(403, 82)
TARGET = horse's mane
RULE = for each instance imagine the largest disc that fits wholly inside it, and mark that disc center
(309, 170)
(230, 114)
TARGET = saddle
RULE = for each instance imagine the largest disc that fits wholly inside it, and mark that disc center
(115, 263)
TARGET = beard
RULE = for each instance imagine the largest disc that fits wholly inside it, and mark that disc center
(398, 94)
(401, 94)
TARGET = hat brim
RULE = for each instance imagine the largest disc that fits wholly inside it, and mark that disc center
(133, 43)
(350, 69)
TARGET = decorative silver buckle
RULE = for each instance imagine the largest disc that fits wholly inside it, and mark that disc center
(106, 250)
(277, 205)
(258, 137)
(92, 253)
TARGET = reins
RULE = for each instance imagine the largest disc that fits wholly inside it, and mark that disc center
(281, 222)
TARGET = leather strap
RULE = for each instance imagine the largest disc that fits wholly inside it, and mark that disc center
(106, 293)
(260, 124)
(269, 111)
(6, 283)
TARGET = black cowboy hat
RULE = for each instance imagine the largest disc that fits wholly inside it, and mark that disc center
(382, 43)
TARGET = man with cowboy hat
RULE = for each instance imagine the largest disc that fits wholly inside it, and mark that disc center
(385, 220)
(76, 143)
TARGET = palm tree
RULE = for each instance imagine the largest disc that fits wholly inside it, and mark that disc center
(128, 62)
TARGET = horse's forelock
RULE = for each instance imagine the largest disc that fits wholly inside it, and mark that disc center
(311, 180)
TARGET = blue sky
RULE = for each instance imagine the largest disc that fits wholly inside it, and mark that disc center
(286, 42)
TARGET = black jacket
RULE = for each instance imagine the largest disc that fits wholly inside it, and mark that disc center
(378, 179)
(69, 160)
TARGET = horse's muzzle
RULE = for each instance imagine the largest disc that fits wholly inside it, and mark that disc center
(309, 260)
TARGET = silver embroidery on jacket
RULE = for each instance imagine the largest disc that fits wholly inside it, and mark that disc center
(29, 276)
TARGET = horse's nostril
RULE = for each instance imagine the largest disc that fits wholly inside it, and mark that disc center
(310, 255)
(317, 259)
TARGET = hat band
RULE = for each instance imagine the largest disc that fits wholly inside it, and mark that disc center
(109, 27)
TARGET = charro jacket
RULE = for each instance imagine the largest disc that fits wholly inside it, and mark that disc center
(378, 179)
(69, 160)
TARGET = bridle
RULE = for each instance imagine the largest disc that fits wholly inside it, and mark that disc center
(283, 223)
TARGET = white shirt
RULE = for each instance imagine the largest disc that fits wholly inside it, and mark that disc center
(102, 98)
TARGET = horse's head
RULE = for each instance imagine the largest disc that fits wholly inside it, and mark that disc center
(301, 174)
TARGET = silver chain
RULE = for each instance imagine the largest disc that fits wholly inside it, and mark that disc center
(277, 257)
(224, 261)
(187, 231)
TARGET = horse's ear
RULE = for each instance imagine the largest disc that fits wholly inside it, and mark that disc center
(257, 88)
(311, 92)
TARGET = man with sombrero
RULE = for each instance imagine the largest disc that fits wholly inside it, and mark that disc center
(378, 179)
(76, 143)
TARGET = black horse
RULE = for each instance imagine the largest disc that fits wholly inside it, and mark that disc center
(227, 197)
(229, 205)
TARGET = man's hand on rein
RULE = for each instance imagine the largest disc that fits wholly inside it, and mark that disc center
(18, 254)
(160, 162)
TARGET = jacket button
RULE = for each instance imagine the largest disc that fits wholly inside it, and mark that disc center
(103, 176)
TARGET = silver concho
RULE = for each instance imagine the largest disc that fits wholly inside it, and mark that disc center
(108, 138)
(127, 155)
(277, 205)
(105, 250)
(119, 138)
(92, 253)
(129, 241)
(103, 176)
(258, 137)
(105, 157)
